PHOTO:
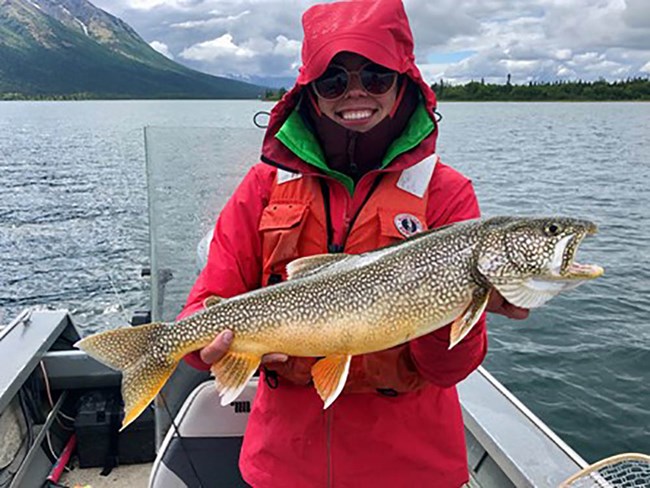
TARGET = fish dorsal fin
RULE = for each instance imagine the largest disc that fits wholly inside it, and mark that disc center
(211, 301)
(301, 267)
(467, 320)
(330, 374)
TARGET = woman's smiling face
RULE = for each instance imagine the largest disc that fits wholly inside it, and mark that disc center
(357, 109)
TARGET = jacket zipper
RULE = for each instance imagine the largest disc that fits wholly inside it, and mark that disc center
(334, 248)
(353, 220)
(352, 163)
(348, 222)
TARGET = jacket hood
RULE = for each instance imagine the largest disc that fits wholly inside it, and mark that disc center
(377, 30)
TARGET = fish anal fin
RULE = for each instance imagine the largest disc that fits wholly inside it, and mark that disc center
(232, 372)
(211, 301)
(466, 320)
(330, 374)
(301, 267)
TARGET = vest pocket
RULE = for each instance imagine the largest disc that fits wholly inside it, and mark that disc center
(281, 226)
(388, 372)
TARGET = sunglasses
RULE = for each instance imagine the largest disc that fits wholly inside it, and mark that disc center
(335, 82)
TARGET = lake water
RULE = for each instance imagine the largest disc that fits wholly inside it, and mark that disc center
(73, 233)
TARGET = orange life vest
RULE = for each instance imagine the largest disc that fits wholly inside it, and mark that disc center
(295, 224)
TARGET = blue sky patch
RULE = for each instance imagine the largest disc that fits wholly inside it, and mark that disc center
(449, 57)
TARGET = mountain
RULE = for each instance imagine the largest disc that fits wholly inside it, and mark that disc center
(271, 81)
(70, 48)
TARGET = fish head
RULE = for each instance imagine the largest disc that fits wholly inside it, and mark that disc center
(530, 260)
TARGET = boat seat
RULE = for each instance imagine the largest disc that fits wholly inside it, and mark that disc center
(202, 450)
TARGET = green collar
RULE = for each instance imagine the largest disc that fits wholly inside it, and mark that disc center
(295, 135)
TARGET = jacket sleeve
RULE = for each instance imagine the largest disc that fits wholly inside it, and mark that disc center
(430, 353)
(235, 254)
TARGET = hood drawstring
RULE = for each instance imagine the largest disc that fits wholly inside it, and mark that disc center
(312, 99)
(398, 99)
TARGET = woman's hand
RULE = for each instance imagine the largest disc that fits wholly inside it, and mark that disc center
(218, 348)
(498, 304)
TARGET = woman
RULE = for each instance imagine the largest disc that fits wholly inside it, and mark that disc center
(348, 164)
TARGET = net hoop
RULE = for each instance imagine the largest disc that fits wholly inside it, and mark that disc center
(603, 463)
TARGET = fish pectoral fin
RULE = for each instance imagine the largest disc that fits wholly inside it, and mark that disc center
(330, 374)
(466, 320)
(534, 292)
(301, 267)
(211, 301)
(232, 372)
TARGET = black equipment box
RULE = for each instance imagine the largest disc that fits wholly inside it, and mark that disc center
(99, 442)
(137, 443)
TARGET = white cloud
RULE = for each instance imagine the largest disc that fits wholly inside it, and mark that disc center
(433, 72)
(637, 14)
(563, 54)
(216, 48)
(218, 21)
(162, 48)
(536, 40)
(286, 47)
(565, 73)
(645, 68)
(151, 4)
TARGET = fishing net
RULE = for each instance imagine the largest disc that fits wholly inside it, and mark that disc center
(621, 471)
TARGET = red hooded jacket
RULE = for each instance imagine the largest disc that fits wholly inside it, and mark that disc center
(363, 439)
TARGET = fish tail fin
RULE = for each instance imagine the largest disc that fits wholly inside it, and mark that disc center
(131, 350)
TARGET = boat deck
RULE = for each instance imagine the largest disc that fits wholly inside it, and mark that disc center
(507, 445)
(132, 475)
(135, 475)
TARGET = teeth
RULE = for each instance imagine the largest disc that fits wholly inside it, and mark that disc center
(356, 114)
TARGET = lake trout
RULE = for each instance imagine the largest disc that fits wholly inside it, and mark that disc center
(335, 306)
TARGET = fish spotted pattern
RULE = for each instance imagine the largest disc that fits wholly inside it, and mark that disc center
(337, 306)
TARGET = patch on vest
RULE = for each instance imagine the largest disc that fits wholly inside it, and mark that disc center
(415, 180)
(285, 176)
(408, 225)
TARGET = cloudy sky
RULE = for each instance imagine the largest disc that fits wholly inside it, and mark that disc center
(458, 40)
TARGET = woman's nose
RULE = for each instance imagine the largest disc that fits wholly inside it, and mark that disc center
(356, 88)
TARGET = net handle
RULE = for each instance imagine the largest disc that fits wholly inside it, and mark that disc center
(627, 456)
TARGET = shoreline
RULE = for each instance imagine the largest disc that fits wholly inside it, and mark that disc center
(443, 100)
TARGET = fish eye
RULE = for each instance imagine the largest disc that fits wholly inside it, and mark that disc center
(553, 229)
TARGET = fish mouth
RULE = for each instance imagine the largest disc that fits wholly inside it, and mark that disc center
(563, 266)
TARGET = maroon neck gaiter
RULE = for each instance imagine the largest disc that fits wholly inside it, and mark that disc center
(355, 153)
